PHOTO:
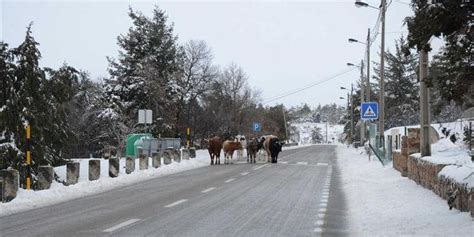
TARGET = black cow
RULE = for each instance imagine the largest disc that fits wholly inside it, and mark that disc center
(275, 147)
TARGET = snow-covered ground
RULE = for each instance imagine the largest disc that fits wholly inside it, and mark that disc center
(383, 203)
(26, 200)
(304, 130)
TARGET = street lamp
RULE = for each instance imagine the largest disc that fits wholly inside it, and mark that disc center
(359, 3)
(349, 100)
(351, 40)
(382, 8)
(362, 97)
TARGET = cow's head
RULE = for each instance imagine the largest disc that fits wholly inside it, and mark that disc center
(238, 145)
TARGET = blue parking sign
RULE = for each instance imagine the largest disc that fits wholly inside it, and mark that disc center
(369, 111)
(257, 127)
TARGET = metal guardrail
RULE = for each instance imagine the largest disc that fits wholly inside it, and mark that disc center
(150, 145)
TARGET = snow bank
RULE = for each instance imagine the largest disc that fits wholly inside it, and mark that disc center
(382, 203)
(444, 152)
(460, 174)
(27, 200)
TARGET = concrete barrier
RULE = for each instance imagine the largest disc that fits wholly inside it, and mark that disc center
(176, 155)
(94, 170)
(185, 154)
(167, 157)
(10, 180)
(45, 177)
(192, 152)
(72, 173)
(114, 167)
(129, 165)
(143, 162)
(155, 160)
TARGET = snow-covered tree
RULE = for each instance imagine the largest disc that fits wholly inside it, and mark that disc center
(401, 86)
(450, 20)
(143, 76)
(317, 135)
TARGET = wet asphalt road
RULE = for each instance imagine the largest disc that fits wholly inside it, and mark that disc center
(299, 196)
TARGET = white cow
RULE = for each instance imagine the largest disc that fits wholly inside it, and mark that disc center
(243, 141)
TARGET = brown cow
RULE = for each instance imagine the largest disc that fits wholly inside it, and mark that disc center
(252, 149)
(229, 148)
(214, 148)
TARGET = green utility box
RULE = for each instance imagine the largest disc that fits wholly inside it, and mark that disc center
(131, 139)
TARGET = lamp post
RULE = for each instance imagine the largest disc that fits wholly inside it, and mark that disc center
(367, 46)
(382, 8)
(349, 100)
(362, 98)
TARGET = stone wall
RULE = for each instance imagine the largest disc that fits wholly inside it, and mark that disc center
(426, 174)
(464, 194)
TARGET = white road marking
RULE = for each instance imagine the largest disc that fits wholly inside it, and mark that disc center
(229, 180)
(318, 230)
(244, 173)
(259, 167)
(283, 162)
(319, 222)
(325, 196)
(208, 190)
(121, 225)
(302, 163)
(322, 164)
(323, 205)
(322, 210)
(176, 203)
(321, 215)
(324, 200)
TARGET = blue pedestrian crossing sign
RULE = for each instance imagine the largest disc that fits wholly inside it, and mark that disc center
(369, 111)
(257, 127)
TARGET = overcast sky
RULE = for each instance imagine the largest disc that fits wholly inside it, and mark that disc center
(282, 46)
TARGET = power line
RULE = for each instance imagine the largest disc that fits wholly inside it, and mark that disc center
(308, 86)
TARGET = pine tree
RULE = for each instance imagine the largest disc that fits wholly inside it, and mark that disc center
(143, 76)
(451, 20)
(8, 148)
(317, 135)
(401, 86)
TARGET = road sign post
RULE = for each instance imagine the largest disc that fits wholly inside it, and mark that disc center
(369, 111)
(257, 127)
(145, 116)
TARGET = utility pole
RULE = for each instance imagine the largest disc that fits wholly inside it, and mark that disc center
(362, 100)
(368, 66)
(352, 114)
(425, 146)
(326, 132)
(284, 120)
(382, 78)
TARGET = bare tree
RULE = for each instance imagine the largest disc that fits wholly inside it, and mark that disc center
(197, 72)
